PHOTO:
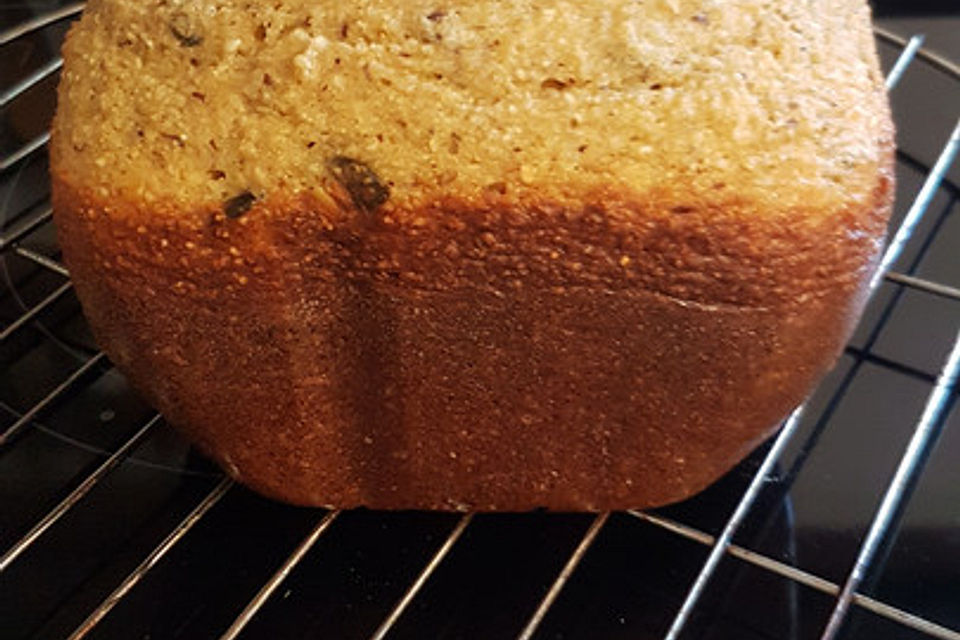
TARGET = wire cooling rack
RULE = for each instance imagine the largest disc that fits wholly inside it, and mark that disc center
(110, 527)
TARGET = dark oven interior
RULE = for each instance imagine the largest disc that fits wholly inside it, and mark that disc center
(846, 524)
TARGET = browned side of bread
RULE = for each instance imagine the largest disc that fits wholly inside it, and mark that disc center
(487, 353)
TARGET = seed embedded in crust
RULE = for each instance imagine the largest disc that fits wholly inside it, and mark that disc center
(238, 204)
(184, 31)
(555, 83)
(364, 186)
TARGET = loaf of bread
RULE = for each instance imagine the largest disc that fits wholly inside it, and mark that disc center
(486, 255)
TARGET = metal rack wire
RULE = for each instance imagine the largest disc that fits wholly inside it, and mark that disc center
(26, 223)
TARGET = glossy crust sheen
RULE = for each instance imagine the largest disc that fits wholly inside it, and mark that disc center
(495, 353)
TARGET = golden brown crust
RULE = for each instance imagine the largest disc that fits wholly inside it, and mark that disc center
(494, 353)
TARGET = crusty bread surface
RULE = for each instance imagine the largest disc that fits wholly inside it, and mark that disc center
(485, 255)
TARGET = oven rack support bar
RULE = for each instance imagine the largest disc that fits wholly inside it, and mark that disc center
(155, 556)
(37, 143)
(277, 578)
(937, 289)
(578, 553)
(422, 578)
(939, 62)
(25, 419)
(36, 310)
(44, 261)
(77, 494)
(910, 50)
(13, 92)
(733, 524)
(40, 22)
(924, 437)
(920, 204)
(26, 228)
(800, 576)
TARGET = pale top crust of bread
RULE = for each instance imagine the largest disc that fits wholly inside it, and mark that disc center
(776, 107)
